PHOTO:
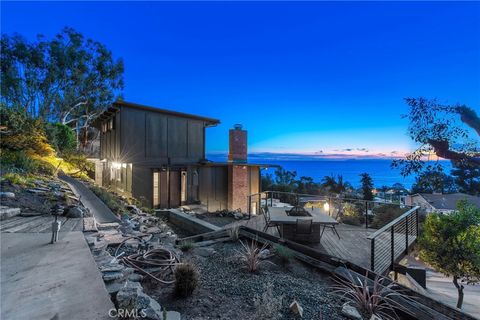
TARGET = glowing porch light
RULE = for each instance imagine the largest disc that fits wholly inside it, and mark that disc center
(116, 165)
(326, 206)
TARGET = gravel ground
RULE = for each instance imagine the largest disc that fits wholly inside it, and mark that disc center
(227, 290)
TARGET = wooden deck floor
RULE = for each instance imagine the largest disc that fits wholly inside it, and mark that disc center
(352, 246)
(42, 224)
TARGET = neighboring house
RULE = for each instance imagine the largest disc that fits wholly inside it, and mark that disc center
(158, 157)
(445, 203)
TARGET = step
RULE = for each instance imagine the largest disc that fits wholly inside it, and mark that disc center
(7, 212)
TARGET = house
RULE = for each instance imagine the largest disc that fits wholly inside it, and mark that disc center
(158, 156)
(445, 203)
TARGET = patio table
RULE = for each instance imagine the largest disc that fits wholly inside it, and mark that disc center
(287, 223)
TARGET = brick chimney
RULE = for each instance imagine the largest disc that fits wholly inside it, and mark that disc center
(238, 172)
(238, 145)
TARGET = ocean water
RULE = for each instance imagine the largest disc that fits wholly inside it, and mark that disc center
(379, 169)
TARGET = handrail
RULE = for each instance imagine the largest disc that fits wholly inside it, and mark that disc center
(391, 223)
(318, 195)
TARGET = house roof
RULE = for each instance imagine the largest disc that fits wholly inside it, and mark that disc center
(448, 201)
(117, 105)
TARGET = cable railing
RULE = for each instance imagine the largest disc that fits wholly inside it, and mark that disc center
(392, 241)
(331, 205)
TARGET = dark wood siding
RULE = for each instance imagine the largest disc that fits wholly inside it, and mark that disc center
(213, 187)
(156, 136)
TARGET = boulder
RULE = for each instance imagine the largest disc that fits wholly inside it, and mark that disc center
(351, 312)
(135, 277)
(75, 212)
(113, 275)
(132, 297)
(9, 195)
(296, 308)
(264, 254)
(238, 215)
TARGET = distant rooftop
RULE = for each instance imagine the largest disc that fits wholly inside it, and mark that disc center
(449, 201)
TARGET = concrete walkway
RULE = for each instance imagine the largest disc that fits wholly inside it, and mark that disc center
(44, 281)
(100, 211)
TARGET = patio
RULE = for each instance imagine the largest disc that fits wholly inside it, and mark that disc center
(377, 250)
(353, 244)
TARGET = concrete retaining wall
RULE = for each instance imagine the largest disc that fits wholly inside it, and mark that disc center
(186, 222)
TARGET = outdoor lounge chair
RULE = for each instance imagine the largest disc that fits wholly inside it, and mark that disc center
(303, 230)
(268, 222)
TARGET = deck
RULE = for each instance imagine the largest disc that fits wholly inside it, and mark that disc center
(353, 245)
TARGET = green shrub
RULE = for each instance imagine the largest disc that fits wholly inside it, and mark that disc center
(19, 179)
(22, 133)
(20, 161)
(284, 253)
(186, 280)
(384, 214)
(186, 245)
(79, 160)
(352, 220)
(109, 199)
(61, 137)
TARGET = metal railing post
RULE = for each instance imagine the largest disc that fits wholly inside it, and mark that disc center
(416, 216)
(406, 234)
(271, 199)
(372, 254)
(366, 214)
(392, 245)
(249, 207)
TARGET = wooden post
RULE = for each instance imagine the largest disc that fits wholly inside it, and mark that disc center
(372, 254)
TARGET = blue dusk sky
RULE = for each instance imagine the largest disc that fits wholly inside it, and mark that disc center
(323, 77)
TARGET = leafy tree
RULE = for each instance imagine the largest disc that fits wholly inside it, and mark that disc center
(285, 180)
(69, 79)
(306, 185)
(442, 130)
(451, 244)
(61, 137)
(467, 178)
(434, 181)
(335, 185)
(367, 186)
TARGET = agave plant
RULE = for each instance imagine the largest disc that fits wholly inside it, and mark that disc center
(372, 297)
(250, 255)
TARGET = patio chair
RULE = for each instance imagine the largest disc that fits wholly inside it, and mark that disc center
(332, 226)
(303, 230)
(268, 222)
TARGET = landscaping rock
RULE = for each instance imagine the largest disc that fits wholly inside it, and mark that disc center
(132, 297)
(75, 212)
(173, 315)
(111, 267)
(238, 215)
(135, 277)
(9, 195)
(351, 312)
(110, 276)
(264, 254)
(7, 212)
(296, 308)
